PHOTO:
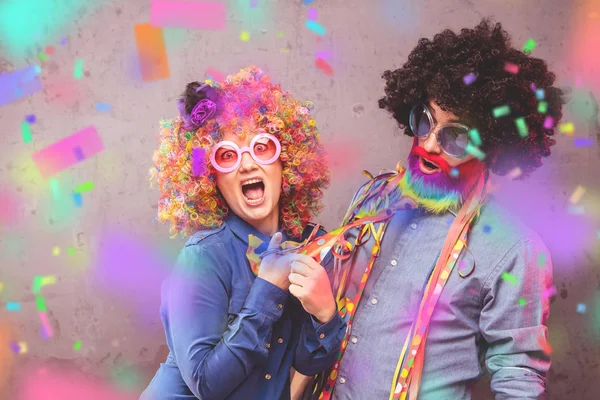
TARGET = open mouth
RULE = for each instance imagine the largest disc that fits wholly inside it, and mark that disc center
(428, 167)
(253, 191)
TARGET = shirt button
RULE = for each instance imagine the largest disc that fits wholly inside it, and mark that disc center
(413, 226)
(321, 336)
(394, 262)
(373, 301)
(268, 376)
(280, 340)
(279, 306)
(268, 345)
(354, 339)
(342, 380)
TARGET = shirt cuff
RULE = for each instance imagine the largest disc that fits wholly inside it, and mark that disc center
(266, 298)
(327, 333)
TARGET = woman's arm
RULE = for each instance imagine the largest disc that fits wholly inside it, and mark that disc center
(213, 354)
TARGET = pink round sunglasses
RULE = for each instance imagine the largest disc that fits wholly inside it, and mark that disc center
(226, 156)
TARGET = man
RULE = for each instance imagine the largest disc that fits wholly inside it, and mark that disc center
(449, 278)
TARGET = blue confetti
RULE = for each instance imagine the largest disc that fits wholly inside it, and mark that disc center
(454, 172)
(539, 94)
(30, 118)
(487, 229)
(581, 308)
(103, 107)
(306, 2)
(318, 29)
(77, 199)
(20, 83)
(13, 306)
(583, 142)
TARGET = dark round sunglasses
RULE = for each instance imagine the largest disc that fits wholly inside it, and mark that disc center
(452, 137)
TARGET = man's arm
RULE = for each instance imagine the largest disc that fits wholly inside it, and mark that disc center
(514, 313)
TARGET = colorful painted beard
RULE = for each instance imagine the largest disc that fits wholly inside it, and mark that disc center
(439, 192)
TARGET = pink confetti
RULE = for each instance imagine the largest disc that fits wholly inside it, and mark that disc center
(47, 331)
(206, 15)
(512, 68)
(470, 78)
(549, 122)
(312, 14)
(325, 55)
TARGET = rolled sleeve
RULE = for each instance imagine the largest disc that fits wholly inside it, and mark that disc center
(512, 322)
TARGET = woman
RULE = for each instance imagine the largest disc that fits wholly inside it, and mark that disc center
(242, 163)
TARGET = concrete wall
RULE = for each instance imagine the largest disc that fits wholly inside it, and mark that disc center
(106, 291)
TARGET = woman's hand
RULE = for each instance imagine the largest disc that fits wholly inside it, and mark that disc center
(310, 284)
(275, 268)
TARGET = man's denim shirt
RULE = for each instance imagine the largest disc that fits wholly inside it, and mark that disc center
(495, 315)
(230, 334)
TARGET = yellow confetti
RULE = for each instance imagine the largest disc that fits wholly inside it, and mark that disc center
(48, 280)
(1, 286)
(577, 194)
(567, 128)
(56, 251)
(245, 36)
(22, 347)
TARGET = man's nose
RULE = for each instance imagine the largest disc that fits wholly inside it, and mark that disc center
(430, 143)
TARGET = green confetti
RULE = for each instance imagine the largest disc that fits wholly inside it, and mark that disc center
(474, 136)
(541, 259)
(26, 131)
(522, 302)
(510, 278)
(529, 46)
(501, 111)
(36, 286)
(70, 250)
(43, 57)
(41, 303)
(480, 155)
(84, 187)
(522, 127)
(77, 345)
(55, 190)
(78, 70)
(543, 107)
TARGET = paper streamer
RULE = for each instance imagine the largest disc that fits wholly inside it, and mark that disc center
(61, 155)
(19, 84)
(154, 64)
(206, 15)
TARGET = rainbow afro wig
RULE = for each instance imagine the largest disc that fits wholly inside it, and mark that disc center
(246, 102)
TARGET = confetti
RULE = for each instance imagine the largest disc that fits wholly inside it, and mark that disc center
(323, 66)
(63, 41)
(253, 3)
(541, 261)
(244, 36)
(56, 251)
(42, 57)
(13, 306)
(152, 52)
(30, 118)
(307, 2)
(522, 302)
(487, 229)
(542, 107)
(1, 286)
(77, 345)
(469, 78)
(84, 187)
(515, 173)
(510, 278)
(70, 250)
(23, 347)
(15, 347)
(47, 329)
(48, 280)
(522, 127)
(325, 55)
(26, 132)
(549, 122)
(532, 86)
(205, 15)
(454, 172)
(55, 189)
(529, 46)
(501, 111)
(474, 151)
(581, 308)
(474, 136)
(312, 14)
(19, 84)
(61, 155)
(566, 128)
(540, 94)
(36, 285)
(78, 70)
(315, 27)
(280, 34)
(49, 50)
(104, 107)
(78, 200)
(198, 161)
(583, 142)
(512, 68)
(40, 303)
(577, 194)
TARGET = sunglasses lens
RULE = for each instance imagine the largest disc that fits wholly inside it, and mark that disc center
(454, 140)
(419, 121)
(226, 156)
(264, 149)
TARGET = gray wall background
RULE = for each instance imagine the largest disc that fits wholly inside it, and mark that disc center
(107, 292)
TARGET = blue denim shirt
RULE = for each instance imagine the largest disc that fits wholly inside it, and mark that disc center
(496, 315)
(230, 334)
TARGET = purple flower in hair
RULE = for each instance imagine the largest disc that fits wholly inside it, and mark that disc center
(203, 111)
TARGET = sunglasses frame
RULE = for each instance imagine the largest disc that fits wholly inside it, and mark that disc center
(240, 152)
(433, 126)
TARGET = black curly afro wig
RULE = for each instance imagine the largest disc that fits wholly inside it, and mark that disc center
(435, 70)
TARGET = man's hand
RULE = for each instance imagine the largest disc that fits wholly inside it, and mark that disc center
(310, 284)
